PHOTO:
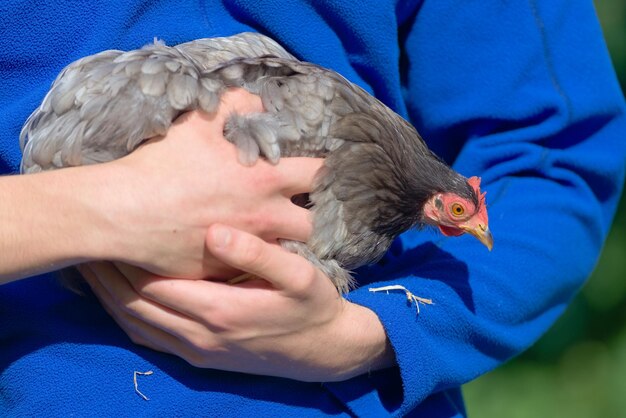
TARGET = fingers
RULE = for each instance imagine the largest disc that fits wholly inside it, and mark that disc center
(146, 322)
(291, 222)
(188, 343)
(160, 329)
(191, 298)
(131, 326)
(251, 254)
(299, 174)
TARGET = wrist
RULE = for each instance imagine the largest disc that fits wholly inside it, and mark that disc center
(359, 342)
(106, 210)
(84, 205)
(76, 205)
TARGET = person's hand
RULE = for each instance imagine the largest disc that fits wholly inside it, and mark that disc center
(170, 190)
(289, 321)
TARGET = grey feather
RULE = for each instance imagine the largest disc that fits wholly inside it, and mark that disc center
(182, 91)
(258, 129)
(377, 171)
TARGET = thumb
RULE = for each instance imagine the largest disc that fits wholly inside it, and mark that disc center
(251, 254)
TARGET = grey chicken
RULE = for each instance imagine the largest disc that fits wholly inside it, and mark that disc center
(378, 179)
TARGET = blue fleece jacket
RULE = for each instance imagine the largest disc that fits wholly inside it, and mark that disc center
(522, 94)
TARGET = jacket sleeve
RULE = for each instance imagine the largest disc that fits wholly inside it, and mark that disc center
(523, 95)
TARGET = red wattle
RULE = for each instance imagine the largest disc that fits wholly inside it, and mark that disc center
(450, 231)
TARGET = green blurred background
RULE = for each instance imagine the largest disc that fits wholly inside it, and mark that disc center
(578, 369)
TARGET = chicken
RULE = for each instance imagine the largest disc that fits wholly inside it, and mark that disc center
(379, 178)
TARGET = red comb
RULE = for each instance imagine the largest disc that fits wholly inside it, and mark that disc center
(474, 183)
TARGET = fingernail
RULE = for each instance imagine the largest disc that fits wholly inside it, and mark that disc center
(221, 236)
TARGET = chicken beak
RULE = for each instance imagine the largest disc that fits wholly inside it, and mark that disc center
(482, 234)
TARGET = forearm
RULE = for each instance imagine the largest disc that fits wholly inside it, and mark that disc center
(152, 208)
(52, 220)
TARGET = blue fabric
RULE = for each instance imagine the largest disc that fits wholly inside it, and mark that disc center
(522, 94)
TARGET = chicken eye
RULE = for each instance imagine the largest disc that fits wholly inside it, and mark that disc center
(458, 209)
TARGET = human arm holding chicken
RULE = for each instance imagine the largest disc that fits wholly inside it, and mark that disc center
(143, 212)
